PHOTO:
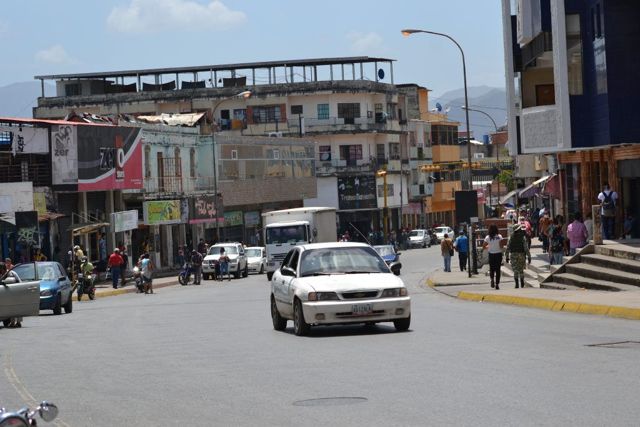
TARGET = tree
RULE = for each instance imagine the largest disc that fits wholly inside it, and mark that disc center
(506, 177)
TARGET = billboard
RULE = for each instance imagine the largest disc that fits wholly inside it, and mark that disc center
(357, 192)
(28, 140)
(123, 221)
(109, 158)
(206, 209)
(64, 159)
(159, 212)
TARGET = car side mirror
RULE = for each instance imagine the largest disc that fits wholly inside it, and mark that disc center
(398, 253)
(287, 271)
(395, 268)
(9, 281)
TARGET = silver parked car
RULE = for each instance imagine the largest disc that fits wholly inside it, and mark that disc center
(18, 298)
(337, 283)
(256, 259)
(419, 239)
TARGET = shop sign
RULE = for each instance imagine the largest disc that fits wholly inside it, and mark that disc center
(206, 209)
(251, 219)
(233, 218)
(357, 192)
(123, 221)
(159, 212)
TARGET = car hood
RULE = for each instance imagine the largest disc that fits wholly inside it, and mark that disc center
(217, 257)
(49, 284)
(352, 282)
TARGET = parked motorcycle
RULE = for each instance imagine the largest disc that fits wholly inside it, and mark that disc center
(85, 285)
(137, 277)
(26, 417)
(185, 277)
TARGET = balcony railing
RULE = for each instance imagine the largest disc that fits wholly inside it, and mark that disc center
(339, 124)
(39, 174)
(538, 129)
(169, 185)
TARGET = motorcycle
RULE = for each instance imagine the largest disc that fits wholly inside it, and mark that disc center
(26, 417)
(85, 285)
(185, 277)
(137, 277)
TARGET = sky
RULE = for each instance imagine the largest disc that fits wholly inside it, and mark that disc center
(41, 37)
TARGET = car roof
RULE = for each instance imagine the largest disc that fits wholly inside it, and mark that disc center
(334, 245)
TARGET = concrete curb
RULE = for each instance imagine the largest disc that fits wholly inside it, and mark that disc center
(554, 305)
(133, 289)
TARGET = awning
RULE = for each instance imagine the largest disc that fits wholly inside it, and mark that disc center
(552, 187)
(49, 216)
(85, 228)
(533, 188)
(504, 199)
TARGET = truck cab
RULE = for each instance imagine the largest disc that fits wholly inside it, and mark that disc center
(280, 237)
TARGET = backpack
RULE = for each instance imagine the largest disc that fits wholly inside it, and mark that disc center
(608, 205)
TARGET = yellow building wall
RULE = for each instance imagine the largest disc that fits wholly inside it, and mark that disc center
(445, 153)
(443, 199)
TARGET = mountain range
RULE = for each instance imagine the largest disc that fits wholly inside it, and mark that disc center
(18, 99)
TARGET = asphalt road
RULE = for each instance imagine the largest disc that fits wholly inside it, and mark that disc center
(208, 355)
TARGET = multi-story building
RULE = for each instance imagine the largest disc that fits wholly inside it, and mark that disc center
(348, 106)
(571, 85)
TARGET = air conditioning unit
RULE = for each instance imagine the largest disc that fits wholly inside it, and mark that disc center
(478, 155)
(275, 134)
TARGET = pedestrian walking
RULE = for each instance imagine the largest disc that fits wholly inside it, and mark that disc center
(196, 266)
(493, 243)
(461, 246)
(577, 234)
(446, 248)
(608, 200)
(224, 265)
(556, 242)
(543, 230)
(115, 263)
(518, 251)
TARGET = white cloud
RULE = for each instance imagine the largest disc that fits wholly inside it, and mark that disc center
(365, 43)
(55, 55)
(158, 15)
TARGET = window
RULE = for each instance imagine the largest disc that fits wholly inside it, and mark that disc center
(574, 53)
(266, 114)
(349, 112)
(72, 89)
(323, 111)
(296, 109)
(325, 153)
(444, 135)
(234, 154)
(192, 163)
(394, 151)
(389, 190)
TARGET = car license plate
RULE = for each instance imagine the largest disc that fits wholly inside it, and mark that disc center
(361, 309)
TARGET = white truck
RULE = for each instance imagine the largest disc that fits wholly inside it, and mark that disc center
(287, 228)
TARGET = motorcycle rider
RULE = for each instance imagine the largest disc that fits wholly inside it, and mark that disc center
(146, 272)
(86, 268)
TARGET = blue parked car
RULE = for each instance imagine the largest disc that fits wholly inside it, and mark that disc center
(55, 286)
(388, 253)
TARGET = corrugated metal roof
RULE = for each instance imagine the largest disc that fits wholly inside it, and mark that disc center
(47, 122)
(223, 67)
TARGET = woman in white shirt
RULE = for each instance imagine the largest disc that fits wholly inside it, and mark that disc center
(493, 242)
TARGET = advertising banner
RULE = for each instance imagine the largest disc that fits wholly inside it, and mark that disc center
(232, 219)
(109, 158)
(251, 219)
(28, 140)
(123, 221)
(64, 159)
(205, 210)
(159, 212)
(357, 192)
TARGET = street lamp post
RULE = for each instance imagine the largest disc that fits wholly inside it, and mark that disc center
(407, 32)
(383, 173)
(495, 126)
(244, 94)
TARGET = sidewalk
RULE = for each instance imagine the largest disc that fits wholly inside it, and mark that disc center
(104, 288)
(477, 288)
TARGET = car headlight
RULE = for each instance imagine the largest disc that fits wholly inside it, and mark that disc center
(323, 296)
(395, 292)
(46, 293)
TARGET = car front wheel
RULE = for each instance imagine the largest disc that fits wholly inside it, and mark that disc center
(279, 323)
(402, 324)
(300, 327)
(68, 307)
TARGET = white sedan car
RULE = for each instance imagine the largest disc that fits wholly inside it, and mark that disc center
(337, 283)
(256, 259)
(442, 230)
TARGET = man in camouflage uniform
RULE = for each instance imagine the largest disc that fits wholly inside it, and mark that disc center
(518, 250)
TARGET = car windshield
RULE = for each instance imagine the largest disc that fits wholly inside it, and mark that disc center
(252, 253)
(27, 272)
(229, 250)
(441, 229)
(341, 260)
(384, 250)
(418, 233)
(288, 234)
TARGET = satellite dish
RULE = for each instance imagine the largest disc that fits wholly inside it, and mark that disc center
(438, 107)
(381, 74)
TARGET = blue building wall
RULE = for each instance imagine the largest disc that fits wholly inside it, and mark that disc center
(611, 116)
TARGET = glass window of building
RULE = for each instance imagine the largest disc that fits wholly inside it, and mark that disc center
(325, 153)
(323, 111)
(349, 112)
